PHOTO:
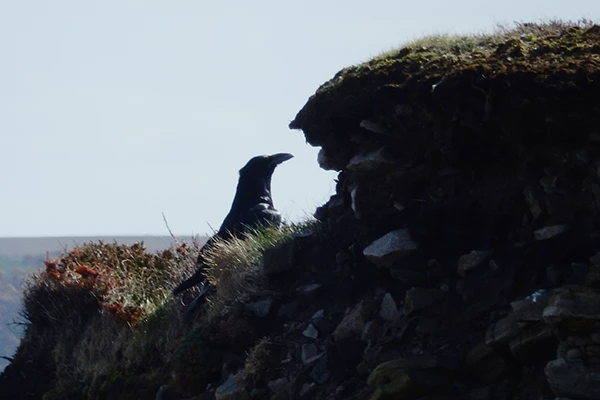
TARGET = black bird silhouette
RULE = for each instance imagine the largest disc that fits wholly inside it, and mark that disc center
(252, 206)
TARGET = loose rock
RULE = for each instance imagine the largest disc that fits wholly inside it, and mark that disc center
(389, 309)
(309, 354)
(260, 308)
(232, 389)
(319, 372)
(471, 260)
(531, 308)
(388, 249)
(575, 310)
(311, 332)
(502, 331)
(352, 324)
(549, 232)
(374, 160)
(573, 380)
(279, 386)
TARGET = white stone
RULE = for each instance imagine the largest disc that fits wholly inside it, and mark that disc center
(393, 246)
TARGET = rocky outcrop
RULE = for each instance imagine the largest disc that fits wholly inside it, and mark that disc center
(468, 193)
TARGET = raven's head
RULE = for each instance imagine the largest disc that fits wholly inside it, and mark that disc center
(263, 166)
(254, 185)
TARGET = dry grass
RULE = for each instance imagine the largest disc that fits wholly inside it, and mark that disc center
(235, 266)
(258, 362)
(485, 43)
(105, 312)
(105, 316)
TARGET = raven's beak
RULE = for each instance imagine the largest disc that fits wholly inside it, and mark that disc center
(278, 158)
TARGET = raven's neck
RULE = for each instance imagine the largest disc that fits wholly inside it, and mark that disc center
(252, 191)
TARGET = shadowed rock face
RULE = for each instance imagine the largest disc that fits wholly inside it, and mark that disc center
(475, 183)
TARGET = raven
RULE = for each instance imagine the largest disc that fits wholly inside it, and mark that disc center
(252, 206)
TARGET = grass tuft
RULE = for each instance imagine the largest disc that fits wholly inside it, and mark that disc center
(235, 266)
(259, 361)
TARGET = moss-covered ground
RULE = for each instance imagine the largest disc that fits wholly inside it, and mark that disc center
(526, 84)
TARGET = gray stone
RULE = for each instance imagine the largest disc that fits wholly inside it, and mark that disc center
(574, 354)
(373, 127)
(309, 292)
(318, 314)
(307, 390)
(260, 308)
(319, 372)
(389, 309)
(422, 300)
(388, 249)
(353, 200)
(471, 260)
(279, 386)
(549, 232)
(313, 287)
(310, 353)
(374, 160)
(532, 197)
(531, 308)
(232, 389)
(502, 331)
(573, 379)
(352, 325)
(574, 310)
(311, 332)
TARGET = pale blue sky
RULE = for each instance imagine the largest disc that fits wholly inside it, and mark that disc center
(112, 112)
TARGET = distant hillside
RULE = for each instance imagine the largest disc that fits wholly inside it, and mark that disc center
(19, 257)
(41, 245)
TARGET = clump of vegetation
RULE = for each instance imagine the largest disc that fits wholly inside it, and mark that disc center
(259, 362)
(435, 53)
(102, 313)
(103, 319)
(444, 91)
(235, 266)
(125, 281)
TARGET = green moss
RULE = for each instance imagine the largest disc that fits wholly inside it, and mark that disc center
(472, 77)
(432, 54)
